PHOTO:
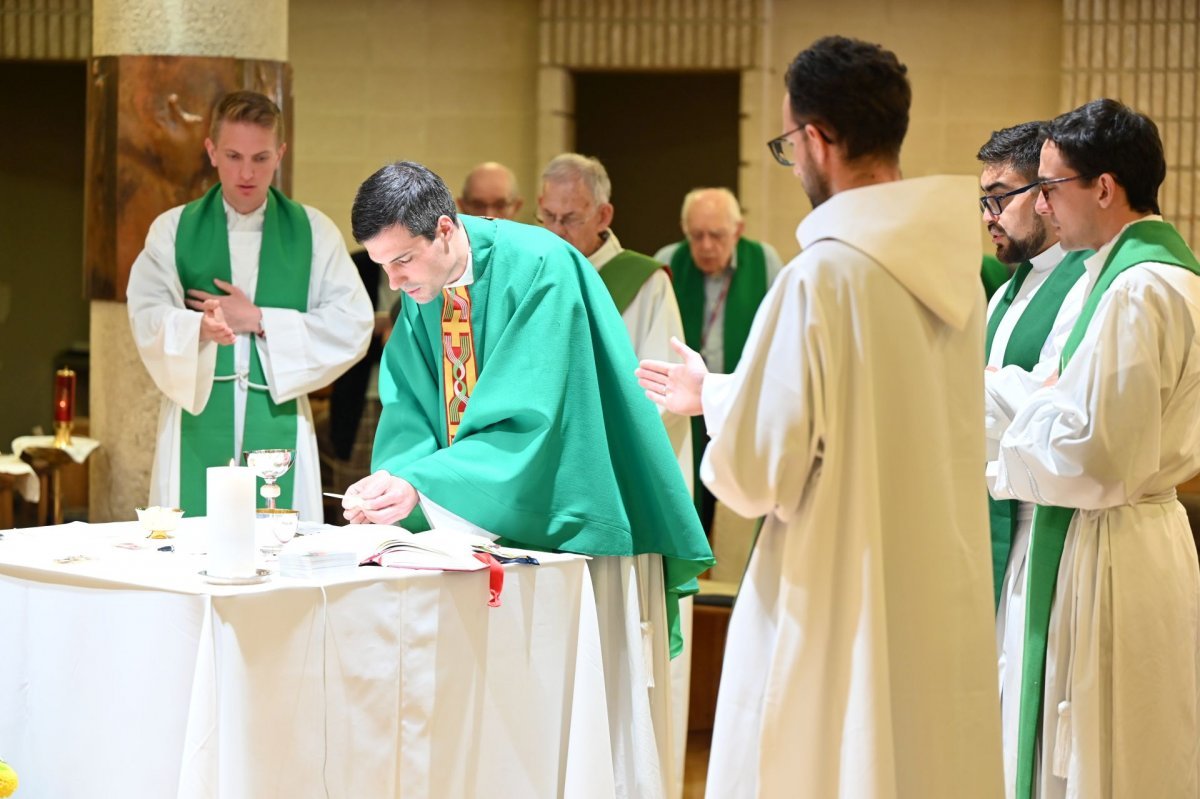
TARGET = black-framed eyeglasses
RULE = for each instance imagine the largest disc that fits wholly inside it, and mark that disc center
(994, 203)
(1042, 184)
(778, 144)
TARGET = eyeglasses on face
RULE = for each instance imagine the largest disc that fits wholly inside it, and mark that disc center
(994, 203)
(781, 146)
(566, 221)
(1044, 184)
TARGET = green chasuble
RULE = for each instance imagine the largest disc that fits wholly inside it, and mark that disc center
(747, 287)
(1024, 349)
(558, 449)
(994, 273)
(1148, 241)
(284, 266)
(625, 274)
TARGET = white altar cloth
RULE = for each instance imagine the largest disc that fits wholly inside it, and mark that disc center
(125, 674)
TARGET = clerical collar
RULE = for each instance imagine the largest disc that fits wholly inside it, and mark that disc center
(1052, 257)
(610, 249)
(251, 222)
(468, 275)
(1094, 264)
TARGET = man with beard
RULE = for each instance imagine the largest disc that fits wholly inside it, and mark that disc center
(859, 660)
(1110, 704)
(1029, 319)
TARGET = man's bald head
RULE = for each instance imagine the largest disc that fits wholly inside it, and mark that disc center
(712, 222)
(490, 190)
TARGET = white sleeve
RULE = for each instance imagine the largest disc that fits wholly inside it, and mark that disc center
(763, 418)
(304, 351)
(665, 254)
(1092, 440)
(167, 332)
(653, 318)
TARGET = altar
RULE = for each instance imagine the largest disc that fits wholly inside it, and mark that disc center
(124, 673)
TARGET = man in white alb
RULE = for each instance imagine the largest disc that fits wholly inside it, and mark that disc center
(241, 303)
(860, 660)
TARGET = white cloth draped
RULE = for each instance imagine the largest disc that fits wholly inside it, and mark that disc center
(1112, 438)
(125, 675)
(860, 659)
(300, 351)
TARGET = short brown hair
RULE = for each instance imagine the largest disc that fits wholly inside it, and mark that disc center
(251, 107)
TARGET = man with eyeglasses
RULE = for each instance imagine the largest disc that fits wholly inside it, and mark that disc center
(860, 659)
(1110, 702)
(720, 277)
(490, 189)
(575, 204)
(1029, 319)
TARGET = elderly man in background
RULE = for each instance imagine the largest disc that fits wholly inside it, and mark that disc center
(490, 189)
(720, 278)
(575, 203)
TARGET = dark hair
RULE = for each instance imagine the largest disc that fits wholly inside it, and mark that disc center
(1018, 147)
(404, 193)
(857, 90)
(1106, 136)
(249, 107)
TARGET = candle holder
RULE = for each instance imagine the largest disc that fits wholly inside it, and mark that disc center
(270, 465)
(64, 406)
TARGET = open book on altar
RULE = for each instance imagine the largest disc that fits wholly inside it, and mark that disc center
(383, 545)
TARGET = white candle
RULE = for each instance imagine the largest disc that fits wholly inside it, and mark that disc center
(230, 521)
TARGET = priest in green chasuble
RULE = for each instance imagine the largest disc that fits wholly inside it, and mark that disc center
(1029, 319)
(510, 409)
(1109, 700)
(242, 302)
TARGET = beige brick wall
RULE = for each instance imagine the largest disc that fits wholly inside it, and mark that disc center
(454, 82)
(974, 67)
(448, 83)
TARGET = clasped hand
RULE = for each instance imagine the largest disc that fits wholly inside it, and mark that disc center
(232, 311)
(675, 386)
(380, 498)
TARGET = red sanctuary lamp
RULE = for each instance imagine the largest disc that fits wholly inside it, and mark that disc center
(64, 406)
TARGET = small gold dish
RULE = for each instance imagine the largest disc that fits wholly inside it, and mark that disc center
(159, 522)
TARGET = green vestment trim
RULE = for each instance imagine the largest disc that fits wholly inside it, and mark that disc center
(284, 266)
(1024, 349)
(994, 273)
(1141, 242)
(747, 287)
(625, 275)
(558, 448)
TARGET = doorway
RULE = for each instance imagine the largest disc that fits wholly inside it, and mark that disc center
(659, 135)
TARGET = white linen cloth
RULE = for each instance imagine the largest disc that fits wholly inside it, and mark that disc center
(27, 484)
(79, 449)
(652, 318)
(860, 660)
(300, 352)
(126, 675)
(1113, 438)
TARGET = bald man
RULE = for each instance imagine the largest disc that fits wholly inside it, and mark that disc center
(719, 269)
(490, 190)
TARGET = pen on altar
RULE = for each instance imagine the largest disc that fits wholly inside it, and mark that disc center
(348, 502)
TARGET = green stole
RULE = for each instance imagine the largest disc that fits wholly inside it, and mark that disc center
(1141, 242)
(747, 287)
(1024, 349)
(994, 273)
(284, 265)
(625, 275)
(558, 448)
